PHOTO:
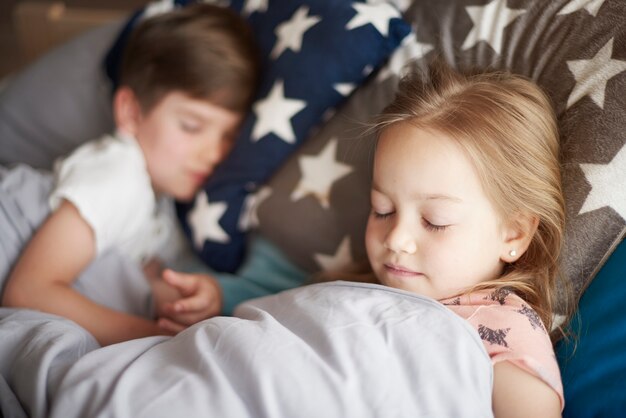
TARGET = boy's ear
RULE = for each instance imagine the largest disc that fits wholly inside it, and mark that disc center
(126, 111)
(517, 236)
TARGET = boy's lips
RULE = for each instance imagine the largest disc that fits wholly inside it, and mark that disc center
(399, 270)
(199, 177)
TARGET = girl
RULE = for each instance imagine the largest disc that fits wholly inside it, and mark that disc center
(467, 208)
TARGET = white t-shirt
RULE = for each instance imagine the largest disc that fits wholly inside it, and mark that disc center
(108, 182)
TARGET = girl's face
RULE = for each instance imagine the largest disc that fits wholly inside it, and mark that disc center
(432, 229)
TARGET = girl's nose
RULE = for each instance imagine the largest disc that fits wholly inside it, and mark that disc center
(400, 240)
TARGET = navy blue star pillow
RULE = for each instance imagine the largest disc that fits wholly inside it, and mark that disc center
(315, 53)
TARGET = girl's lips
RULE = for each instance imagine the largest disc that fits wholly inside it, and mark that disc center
(400, 271)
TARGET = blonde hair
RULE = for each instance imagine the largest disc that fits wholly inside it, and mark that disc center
(507, 127)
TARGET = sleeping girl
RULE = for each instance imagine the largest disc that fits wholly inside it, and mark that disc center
(467, 209)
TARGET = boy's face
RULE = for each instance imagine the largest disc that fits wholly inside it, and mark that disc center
(432, 230)
(183, 139)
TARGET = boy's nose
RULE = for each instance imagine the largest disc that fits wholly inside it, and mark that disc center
(212, 153)
(400, 241)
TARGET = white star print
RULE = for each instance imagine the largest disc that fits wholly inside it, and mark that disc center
(607, 185)
(203, 220)
(592, 6)
(557, 321)
(249, 218)
(274, 114)
(378, 14)
(401, 5)
(319, 173)
(344, 88)
(339, 260)
(222, 3)
(592, 75)
(289, 33)
(157, 8)
(489, 23)
(409, 50)
(252, 6)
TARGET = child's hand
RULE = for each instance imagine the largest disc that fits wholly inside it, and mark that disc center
(200, 298)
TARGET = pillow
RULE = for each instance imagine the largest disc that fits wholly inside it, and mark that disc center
(319, 221)
(315, 53)
(593, 364)
(342, 42)
(58, 102)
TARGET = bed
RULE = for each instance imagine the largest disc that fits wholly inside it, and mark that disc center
(335, 349)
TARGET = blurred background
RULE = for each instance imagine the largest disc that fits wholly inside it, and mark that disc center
(30, 27)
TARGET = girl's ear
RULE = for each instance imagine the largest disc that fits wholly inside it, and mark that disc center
(517, 236)
(126, 111)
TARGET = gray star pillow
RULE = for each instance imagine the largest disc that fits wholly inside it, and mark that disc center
(315, 208)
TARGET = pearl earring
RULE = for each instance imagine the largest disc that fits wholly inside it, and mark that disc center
(512, 253)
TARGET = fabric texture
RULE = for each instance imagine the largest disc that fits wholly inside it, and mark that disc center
(108, 182)
(318, 221)
(511, 331)
(24, 195)
(58, 102)
(331, 350)
(35, 349)
(592, 360)
(315, 52)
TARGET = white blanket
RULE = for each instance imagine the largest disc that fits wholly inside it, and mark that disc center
(327, 350)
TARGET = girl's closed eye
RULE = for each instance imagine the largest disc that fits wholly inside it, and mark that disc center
(382, 215)
(434, 227)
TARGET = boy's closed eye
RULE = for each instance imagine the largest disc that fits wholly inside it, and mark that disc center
(190, 126)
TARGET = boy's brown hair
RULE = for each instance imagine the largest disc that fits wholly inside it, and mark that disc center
(205, 51)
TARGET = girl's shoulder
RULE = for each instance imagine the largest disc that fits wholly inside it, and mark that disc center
(496, 307)
(512, 331)
(486, 297)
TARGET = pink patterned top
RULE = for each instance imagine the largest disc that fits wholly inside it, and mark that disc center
(511, 331)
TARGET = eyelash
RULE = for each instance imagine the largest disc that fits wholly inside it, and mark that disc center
(434, 228)
(429, 226)
(189, 127)
(382, 215)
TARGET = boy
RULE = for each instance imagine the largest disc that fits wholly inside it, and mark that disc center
(187, 78)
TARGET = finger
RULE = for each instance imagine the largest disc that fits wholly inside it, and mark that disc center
(189, 319)
(170, 326)
(184, 319)
(187, 284)
(198, 302)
